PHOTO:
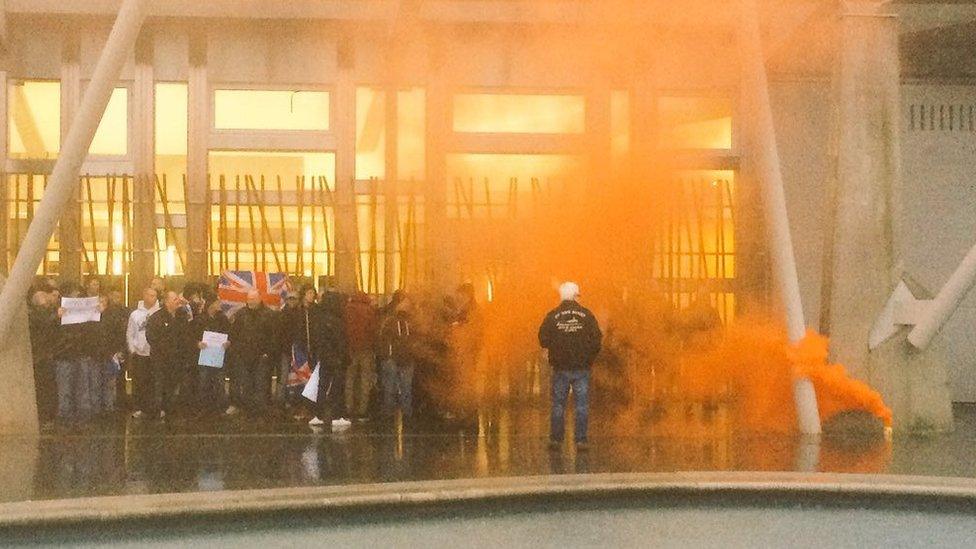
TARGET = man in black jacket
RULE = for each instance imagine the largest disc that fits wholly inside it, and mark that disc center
(572, 337)
(74, 360)
(330, 349)
(166, 333)
(43, 318)
(252, 346)
(210, 392)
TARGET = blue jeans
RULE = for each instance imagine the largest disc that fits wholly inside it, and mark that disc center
(562, 380)
(75, 380)
(397, 380)
(103, 388)
(211, 390)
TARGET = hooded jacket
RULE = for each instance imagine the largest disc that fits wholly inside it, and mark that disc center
(396, 338)
(571, 334)
(135, 333)
(361, 323)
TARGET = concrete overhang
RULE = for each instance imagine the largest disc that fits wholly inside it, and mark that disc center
(719, 12)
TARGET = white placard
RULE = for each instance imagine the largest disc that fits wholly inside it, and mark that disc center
(80, 309)
(213, 353)
(311, 390)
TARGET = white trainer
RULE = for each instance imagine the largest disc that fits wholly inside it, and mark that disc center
(315, 422)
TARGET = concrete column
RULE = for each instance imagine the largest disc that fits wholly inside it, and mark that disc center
(5, 210)
(198, 185)
(440, 270)
(18, 406)
(391, 213)
(347, 229)
(143, 238)
(862, 263)
(69, 232)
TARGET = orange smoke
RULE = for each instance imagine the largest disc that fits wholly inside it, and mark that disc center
(836, 392)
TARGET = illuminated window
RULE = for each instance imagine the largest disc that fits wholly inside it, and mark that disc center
(496, 113)
(112, 135)
(171, 128)
(482, 185)
(695, 123)
(287, 165)
(24, 192)
(619, 126)
(273, 211)
(271, 110)
(169, 180)
(695, 244)
(370, 133)
(34, 123)
(106, 226)
(411, 134)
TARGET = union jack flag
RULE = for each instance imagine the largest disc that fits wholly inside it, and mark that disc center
(300, 369)
(234, 286)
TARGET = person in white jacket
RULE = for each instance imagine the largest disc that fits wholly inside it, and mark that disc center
(144, 385)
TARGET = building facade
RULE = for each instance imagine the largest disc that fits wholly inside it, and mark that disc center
(366, 140)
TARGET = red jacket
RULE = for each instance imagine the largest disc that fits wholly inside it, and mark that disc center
(361, 323)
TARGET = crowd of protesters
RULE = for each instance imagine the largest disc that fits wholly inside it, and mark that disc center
(372, 361)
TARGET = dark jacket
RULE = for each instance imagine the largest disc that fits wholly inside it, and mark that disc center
(44, 327)
(204, 323)
(252, 336)
(300, 325)
(329, 339)
(77, 341)
(166, 334)
(396, 338)
(571, 334)
(112, 326)
(361, 323)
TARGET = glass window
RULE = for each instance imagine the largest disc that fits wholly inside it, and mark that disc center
(264, 227)
(271, 110)
(695, 122)
(34, 124)
(411, 134)
(619, 126)
(504, 113)
(171, 143)
(370, 133)
(111, 137)
(485, 185)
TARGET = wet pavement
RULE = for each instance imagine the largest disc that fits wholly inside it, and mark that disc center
(135, 457)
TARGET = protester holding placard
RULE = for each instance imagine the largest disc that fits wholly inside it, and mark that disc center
(74, 361)
(211, 390)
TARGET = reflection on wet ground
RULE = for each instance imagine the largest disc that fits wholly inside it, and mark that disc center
(132, 457)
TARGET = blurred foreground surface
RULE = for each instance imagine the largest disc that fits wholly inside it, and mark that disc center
(133, 457)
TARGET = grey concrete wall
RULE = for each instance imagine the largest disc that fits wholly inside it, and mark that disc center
(939, 200)
(802, 115)
(939, 190)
